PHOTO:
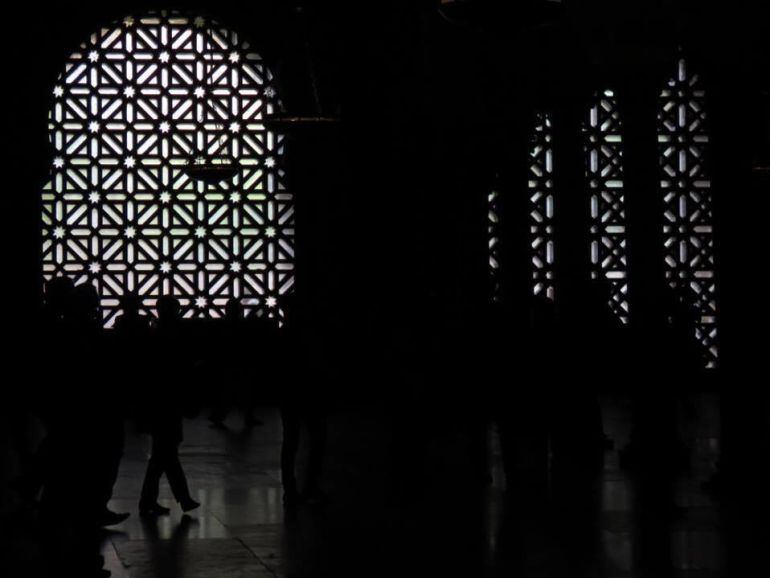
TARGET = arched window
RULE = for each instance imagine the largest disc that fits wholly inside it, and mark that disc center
(686, 187)
(135, 108)
(603, 146)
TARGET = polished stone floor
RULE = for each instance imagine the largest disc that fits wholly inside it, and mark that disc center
(387, 516)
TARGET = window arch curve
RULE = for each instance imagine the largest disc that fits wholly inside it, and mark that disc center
(133, 108)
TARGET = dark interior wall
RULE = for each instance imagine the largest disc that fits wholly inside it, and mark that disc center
(432, 113)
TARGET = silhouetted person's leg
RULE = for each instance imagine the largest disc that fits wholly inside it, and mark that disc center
(110, 454)
(33, 471)
(164, 459)
(176, 478)
(291, 425)
(523, 432)
(249, 408)
(316, 427)
(155, 467)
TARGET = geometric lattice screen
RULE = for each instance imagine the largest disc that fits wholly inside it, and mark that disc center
(603, 146)
(688, 212)
(134, 106)
(540, 186)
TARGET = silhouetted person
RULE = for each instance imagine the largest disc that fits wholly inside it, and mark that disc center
(164, 413)
(237, 343)
(301, 404)
(670, 340)
(131, 324)
(56, 297)
(82, 445)
(593, 351)
(82, 416)
(523, 421)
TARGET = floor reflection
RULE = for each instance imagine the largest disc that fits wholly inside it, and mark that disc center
(440, 522)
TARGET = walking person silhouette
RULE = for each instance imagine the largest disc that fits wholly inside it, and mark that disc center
(164, 415)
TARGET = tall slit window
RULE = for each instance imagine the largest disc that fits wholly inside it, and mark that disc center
(541, 198)
(685, 184)
(135, 106)
(540, 187)
(603, 146)
(493, 234)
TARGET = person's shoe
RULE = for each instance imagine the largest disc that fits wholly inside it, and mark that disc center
(110, 518)
(153, 510)
(188, 504)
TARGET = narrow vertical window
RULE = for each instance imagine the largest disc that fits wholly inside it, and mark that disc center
(540, 187)
(603, 146)
(541, 207)
(493, 234)
(688, 213)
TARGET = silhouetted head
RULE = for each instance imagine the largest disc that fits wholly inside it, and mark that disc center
(234, 310)
(57, 292)
(84, 304)
(168, 308)
(130, 303)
